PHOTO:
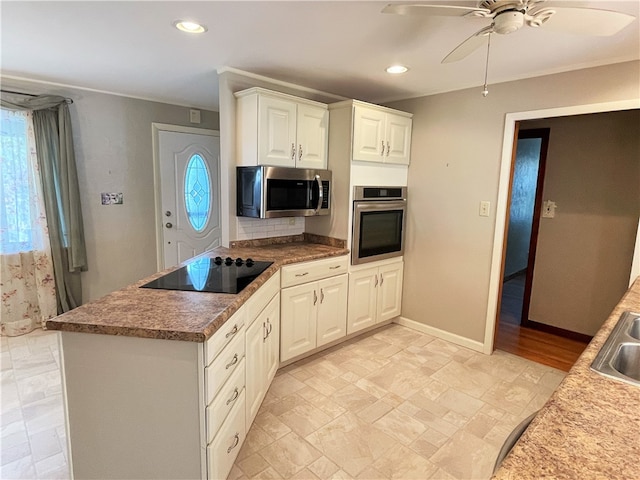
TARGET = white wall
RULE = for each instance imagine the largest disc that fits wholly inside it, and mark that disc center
(113, 144)
(455, 163)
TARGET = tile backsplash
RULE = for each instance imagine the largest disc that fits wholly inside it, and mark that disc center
(251, 228)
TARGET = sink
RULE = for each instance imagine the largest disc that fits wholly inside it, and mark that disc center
(619, 357)
(627, 360)
(634, 329)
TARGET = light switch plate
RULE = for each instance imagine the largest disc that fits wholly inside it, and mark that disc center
(485, 208)
(194, 115)
(549, 209)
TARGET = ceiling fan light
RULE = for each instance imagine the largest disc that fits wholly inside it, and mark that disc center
(397, 69)
(189, 27)
(508, 22)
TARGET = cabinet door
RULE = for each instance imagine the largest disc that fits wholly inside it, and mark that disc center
(398, 137)
(271, 314)
(255, 368)
(276, 132)
(298, 320)
(363, 288)
(390, 291)
(368, 134)
(312, 135)
(332, 310)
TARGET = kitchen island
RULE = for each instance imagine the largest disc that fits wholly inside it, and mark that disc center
(589, 428)
(154, 380)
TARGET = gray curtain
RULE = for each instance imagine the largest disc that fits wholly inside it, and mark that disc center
(56, 159)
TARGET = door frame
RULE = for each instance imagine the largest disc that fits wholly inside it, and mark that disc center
(156, 128)
(504, 182)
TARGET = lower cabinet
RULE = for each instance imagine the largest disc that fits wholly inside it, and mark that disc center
(313, 314)
(375, 295)
(262, 346)
(239, 375)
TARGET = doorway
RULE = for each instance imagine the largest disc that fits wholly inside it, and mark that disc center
(187, 174)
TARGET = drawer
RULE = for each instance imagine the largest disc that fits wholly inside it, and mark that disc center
(262, 297)
(310, 271)
(222, 452)
(224, 366)
(214, 345)
(222, 404)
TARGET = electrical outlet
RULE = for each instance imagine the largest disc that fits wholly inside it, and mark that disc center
(485, 208)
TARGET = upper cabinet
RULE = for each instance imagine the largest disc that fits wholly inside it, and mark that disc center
(281, 130)
(381, 135)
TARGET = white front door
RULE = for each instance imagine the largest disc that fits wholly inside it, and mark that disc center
(190, 194)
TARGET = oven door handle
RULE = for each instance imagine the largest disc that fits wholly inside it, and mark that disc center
(320, 194)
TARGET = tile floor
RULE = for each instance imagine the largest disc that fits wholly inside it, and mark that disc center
(395, 403)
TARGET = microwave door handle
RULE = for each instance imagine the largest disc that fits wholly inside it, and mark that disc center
(320, 194)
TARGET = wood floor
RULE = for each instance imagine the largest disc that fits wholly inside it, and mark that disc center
(541, 347)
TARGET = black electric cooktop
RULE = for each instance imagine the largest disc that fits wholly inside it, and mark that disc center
(216, 275)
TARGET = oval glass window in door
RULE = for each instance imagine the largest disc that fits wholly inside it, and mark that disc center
(197, 192)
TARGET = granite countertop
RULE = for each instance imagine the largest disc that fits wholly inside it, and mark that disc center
(589, 428)
(181, 315)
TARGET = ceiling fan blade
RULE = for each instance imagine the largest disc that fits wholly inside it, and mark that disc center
(434, 10)
(585, 21)
(469, 46)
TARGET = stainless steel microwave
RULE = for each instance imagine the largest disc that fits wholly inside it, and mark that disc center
(379, 220)
(268, 192)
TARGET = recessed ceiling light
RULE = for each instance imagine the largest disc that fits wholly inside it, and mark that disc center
(189, 27)
(395, 69)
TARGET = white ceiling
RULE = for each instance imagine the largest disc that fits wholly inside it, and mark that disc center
(131, 48)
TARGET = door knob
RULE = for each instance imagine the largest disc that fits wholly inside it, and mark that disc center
(169, 225)
(167, 213)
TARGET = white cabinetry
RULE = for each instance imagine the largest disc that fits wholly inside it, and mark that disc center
(262, 343)
(375, 295)
(381, 135)
(314, 305)
(281, 130)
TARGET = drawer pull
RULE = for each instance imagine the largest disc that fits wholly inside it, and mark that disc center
(236, 441)
(233, 331)
(232, 362)
(235, 396)
(335, 267)
(302, 274)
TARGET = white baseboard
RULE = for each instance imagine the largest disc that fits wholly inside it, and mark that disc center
(436, 332)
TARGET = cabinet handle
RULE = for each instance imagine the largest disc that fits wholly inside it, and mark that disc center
(269, 327)
(235, 396)
(233, 331)
(388, 148)
(376, 282)
(232, 362)
(381, 279)
(315, 297)
(299, 152)
(293, 151)
(382, 152)
(302, 274)
(335, 267)
(235, 443)
(321, 295)
(266, 333)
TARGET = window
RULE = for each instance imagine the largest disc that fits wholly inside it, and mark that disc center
(18, 187)
(197, 196)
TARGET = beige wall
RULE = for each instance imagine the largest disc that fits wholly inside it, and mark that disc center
(455, 161)
(584, 253)
(112, 137)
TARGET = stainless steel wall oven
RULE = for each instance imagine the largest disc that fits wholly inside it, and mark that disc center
(379, 219)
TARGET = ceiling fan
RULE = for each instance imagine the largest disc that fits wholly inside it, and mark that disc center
(508, 16)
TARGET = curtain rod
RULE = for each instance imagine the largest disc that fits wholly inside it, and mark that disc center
(68, 100)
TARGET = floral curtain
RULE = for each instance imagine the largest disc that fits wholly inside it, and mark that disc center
(27, 284)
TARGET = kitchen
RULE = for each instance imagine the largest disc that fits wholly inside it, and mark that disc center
(435, 136)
